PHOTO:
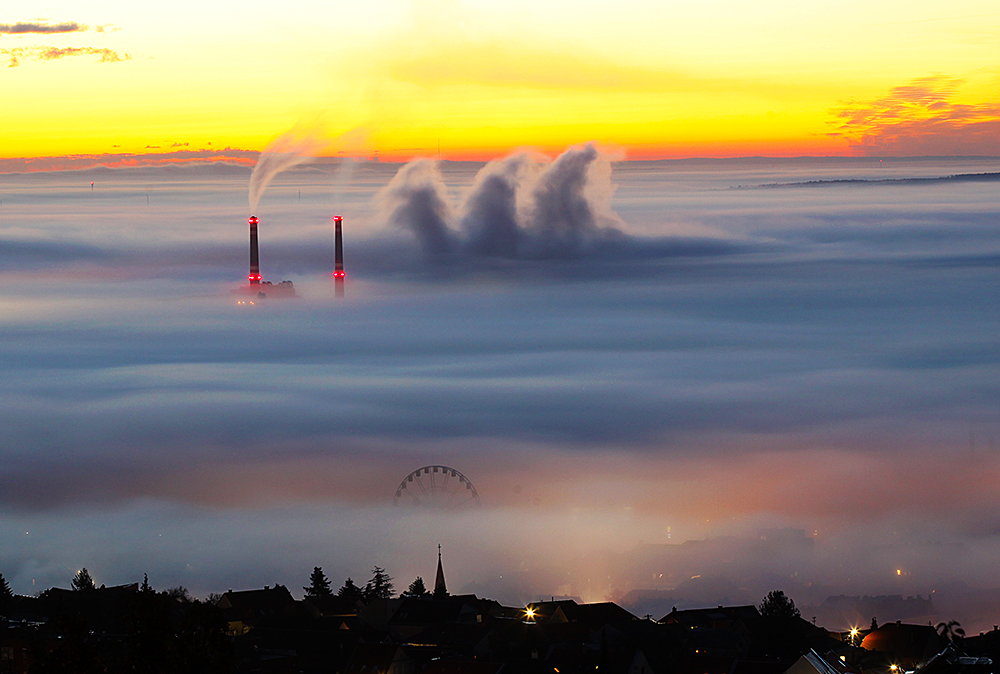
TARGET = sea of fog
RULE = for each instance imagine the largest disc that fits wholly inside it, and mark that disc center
(702, 379)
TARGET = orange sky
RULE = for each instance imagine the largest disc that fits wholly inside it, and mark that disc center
(404, 77)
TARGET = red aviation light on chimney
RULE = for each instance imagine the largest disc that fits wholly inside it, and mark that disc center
(338, 218)
(253, 220)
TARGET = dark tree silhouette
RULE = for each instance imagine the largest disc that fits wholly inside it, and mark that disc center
(82, 580)
(350, 590)
(5, 592)
(417, 589)
(148, 643)
(179, 593)
(952, 631)
(777, 605)
(319, 584)
(380, 585)
(164, 636)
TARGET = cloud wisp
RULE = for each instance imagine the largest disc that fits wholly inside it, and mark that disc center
(921, 118)
(17, 54)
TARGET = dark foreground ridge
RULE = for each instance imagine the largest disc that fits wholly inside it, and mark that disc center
(132, 628)
(957, 178)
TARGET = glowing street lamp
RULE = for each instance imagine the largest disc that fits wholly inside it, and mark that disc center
(529, 614)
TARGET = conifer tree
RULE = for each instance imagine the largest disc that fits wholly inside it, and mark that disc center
(83, 581)
(379, 587)
(777, 605)
(416, 589)
(350, 590)
(319, 584)
(5, 592)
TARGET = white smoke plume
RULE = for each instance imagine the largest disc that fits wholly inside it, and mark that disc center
(490, 218)
(570, 209)
(416, 199)
(519, 207)
(290, 149)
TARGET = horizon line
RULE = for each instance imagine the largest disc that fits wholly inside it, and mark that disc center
(239, 158)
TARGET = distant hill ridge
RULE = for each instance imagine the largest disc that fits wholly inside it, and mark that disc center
(959, 177)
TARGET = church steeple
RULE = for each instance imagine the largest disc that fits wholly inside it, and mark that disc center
(440, 589)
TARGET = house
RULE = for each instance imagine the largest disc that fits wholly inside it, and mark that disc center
(248, 608)
(908, 646)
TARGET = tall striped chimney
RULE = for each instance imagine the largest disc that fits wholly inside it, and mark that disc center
(338, 254)
(254, 276)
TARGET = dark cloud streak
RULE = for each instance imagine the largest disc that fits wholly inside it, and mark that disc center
(40, 28)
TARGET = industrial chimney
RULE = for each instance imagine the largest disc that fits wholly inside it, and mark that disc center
(254, 276)
(257, 288)
(338, 254)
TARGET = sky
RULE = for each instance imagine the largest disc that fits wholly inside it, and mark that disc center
(643, 367)
(468, 79)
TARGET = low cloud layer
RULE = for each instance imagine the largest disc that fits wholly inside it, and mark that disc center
(800, 381)
(130, 160)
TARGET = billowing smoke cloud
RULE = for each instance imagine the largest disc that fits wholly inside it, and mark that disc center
(566, 207)
(416, 199)
(290, 149)
(566, 217)
(22, 28)
(490, 219)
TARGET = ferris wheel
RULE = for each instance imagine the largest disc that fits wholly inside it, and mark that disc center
(438, 487)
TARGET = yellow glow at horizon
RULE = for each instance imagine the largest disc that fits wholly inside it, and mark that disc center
(691, 76)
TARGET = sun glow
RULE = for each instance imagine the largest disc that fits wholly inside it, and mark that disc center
(465, 80)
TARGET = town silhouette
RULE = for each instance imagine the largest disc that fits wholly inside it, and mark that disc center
(370, 628)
